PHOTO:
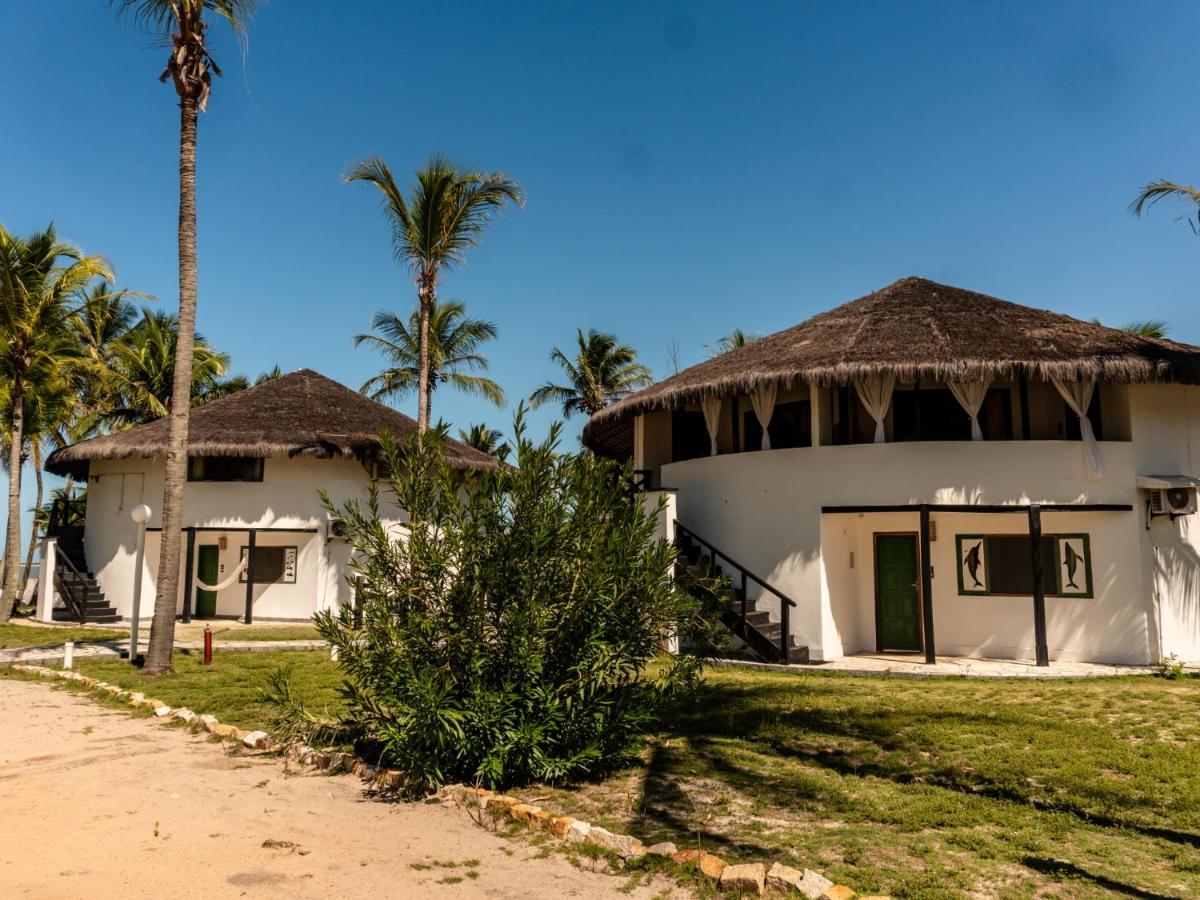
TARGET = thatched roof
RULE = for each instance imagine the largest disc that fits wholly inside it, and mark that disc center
(302, 413)
(915, 328)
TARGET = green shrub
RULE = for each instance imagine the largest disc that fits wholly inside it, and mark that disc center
(517, 633)
(1169, 667)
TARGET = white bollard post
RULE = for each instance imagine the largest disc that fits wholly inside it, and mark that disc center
(69, 655)
(140, 515)
(333, 652)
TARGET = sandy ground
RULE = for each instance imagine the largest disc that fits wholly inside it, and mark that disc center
(96, 804)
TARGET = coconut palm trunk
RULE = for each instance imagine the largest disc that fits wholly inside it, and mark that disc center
(166, 592)
(12, 543)
(428, 296)
(36, 459)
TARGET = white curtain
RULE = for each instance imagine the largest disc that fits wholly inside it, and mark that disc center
(712, 419)
(971, 396)
(875, 392)
(763, 401)
(1078, 395)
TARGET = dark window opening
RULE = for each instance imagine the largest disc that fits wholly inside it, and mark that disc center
(934, 414)
(1010, 569)
(790, 426)
(851, 423)
(689, 436)
(270, 565)
(225, 468)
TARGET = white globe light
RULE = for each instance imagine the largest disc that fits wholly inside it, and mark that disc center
(140, 514)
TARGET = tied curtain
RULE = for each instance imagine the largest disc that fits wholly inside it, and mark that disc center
(763, 401)
(712, 419)
(1078, 395)
(971, 396)
(875, 392)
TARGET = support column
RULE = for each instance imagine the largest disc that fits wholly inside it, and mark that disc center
(189, 574)
(927, 588)
(250, 577)
(1039, 589)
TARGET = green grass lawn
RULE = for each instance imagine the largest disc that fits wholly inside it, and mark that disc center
(912, 787)
(266, 633)
(230, 688)
(16, 635)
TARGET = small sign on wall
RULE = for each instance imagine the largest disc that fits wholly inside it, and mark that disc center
(1074, 565)
(972, 564)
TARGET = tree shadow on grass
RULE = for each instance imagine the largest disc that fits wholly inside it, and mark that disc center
(1062, 871)
(758, 715)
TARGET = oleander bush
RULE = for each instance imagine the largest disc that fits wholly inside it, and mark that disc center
(515, 631)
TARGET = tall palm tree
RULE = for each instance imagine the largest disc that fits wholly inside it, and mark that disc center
(1164, 190)
(486, 440)
(101, 321)
(454, 342)
(1150, 328)
(143, 370)
(735, 340)
(190, 68)
(602, 372)
(443, 217)
(38, 277)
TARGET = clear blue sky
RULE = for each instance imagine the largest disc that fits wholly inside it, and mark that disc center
(690, 167)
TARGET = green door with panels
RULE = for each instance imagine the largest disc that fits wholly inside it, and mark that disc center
(899, 607)
(206, 570)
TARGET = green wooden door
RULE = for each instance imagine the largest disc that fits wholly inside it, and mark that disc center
(206, 571)
(899, 607)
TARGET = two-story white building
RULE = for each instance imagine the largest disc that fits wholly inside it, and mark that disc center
(931, 470)
(257, 541)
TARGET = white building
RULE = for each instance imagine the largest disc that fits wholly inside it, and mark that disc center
(914, 441)
(254, 525)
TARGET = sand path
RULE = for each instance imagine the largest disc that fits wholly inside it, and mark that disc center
(98, 804)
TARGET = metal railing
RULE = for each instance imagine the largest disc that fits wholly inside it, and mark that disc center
(66, 513)
(74, 603)
(786, 603)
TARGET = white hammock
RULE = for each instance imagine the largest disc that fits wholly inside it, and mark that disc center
(233, 577)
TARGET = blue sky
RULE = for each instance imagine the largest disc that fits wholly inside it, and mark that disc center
(690, 167)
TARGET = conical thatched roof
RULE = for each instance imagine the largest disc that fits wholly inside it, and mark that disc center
(914, 328)
(302, 413)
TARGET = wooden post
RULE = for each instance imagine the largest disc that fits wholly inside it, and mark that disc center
(1039, 590)
(737, 437)
(1024, 400)
(250, 577)
(927, 587)
(188, 574)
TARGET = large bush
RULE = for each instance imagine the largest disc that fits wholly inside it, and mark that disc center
(514, 633)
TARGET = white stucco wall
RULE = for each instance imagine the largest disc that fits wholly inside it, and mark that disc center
(285, 498)
(764, 508)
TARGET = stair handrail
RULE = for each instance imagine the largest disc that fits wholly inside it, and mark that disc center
(785, 602)
(79, 606)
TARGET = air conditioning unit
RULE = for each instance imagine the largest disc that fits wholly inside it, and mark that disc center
(1173, 501)
(338, 530)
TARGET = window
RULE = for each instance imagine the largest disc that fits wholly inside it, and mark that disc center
(272, 565)
(791, 426)
(1002, 564)
(689, 436)
(225, 468)
(934, 414)
(1093, 413)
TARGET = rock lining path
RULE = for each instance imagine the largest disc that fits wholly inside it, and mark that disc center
(101, 804)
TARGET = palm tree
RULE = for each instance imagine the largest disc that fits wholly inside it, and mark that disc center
(1163, 190)
(454, 342)
(38, 277)
(735, 340)
(602, 372)
(190, 67)
(143, 370)
(486, 440)
(1150, 328)
(443, 217)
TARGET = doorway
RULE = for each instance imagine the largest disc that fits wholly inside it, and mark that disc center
(207, 570)
(897, 595)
